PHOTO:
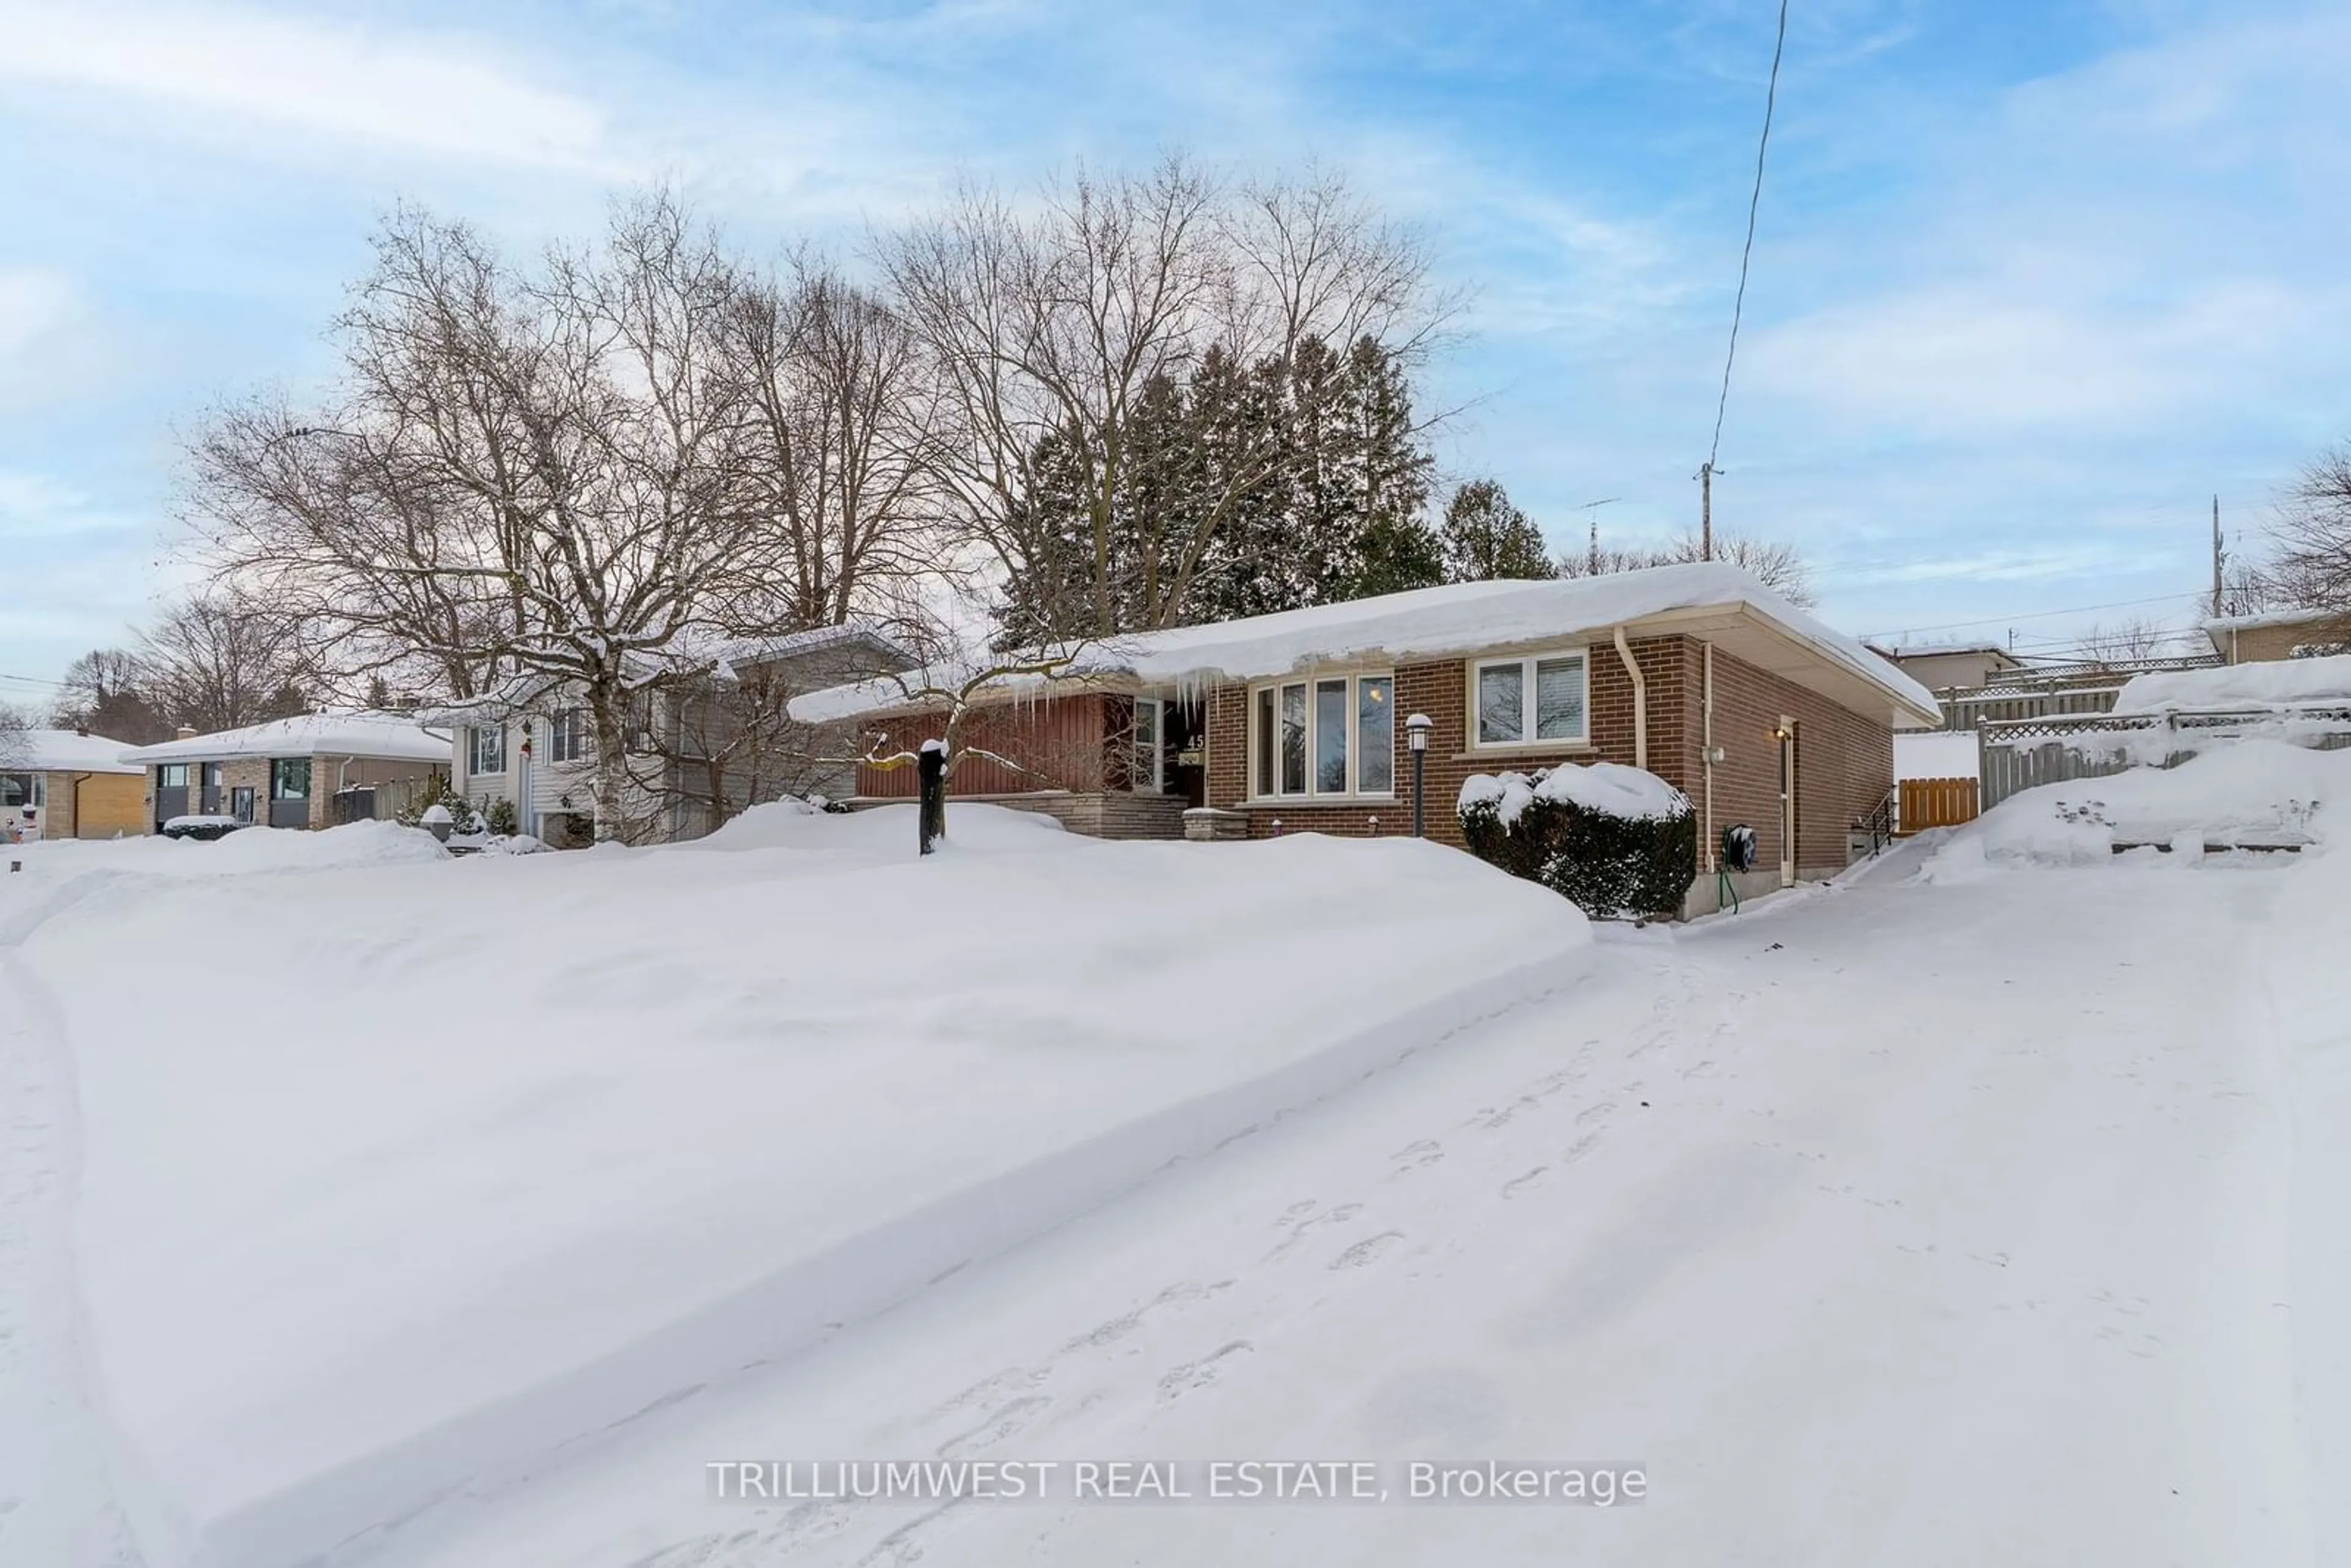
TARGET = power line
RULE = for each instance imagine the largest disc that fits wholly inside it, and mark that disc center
(1747, 252)
(2036, 614)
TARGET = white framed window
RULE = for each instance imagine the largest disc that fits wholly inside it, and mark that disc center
(1537, 700)
(1150, 776)
(1331, 736)
(487, 748)
(567, 736)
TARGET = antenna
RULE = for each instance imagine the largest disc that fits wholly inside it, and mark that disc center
(1591, 510)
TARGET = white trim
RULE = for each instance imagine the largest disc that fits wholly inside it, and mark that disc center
(1310, 683)
(1157, 783)
(473, 734)
(1474, 718)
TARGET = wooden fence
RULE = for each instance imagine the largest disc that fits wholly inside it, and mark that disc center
(1935, 803)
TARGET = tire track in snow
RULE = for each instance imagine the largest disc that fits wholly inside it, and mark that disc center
(57, 1504)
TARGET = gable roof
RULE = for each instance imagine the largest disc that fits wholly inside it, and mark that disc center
(64, 751)
(537, 692)
(396, 737)
(1458, 618)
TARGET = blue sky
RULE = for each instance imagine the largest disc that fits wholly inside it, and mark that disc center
(2033, 280)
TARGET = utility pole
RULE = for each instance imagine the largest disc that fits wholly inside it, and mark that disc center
(1705, 510)
(2218, 556)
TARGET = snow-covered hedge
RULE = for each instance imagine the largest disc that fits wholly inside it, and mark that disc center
(1616, 840)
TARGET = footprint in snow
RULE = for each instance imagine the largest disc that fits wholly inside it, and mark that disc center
(1182, 1380)
(1512, 1187)
(1368, 1251)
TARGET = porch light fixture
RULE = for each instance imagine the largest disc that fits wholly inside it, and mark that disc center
(1417, 730)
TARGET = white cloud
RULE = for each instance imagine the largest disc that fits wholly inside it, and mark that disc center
(1995, 356)
(442, 96)
(33, 304)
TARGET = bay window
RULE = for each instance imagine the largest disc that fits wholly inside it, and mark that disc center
(1328, 736)
(1538, 700)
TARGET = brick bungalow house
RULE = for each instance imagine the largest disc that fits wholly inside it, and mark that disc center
(1294, 722)
(67, 784)
(2280, 634)
(313, 772)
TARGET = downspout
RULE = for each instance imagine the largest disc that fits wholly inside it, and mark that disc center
(1706, 701)
(1640, 702)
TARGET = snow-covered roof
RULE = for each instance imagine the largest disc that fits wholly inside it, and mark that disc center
(2224, 624)
(1428, 622)
(396, 736)
(536, 691)
(64, 751)
(1940, 650)
(2273, 683)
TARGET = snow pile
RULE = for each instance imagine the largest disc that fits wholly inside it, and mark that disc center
(2277, 683)
(1611, 789)
(252, 848)
(462, 1163)
(2259, 794)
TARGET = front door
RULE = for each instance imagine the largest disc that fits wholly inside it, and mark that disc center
(1787, 733)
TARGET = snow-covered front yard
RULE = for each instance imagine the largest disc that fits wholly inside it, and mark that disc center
(1984, 1207)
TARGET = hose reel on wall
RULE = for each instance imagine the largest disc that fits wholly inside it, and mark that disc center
(1737, 855)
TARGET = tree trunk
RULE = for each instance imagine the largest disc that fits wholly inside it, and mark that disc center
(607, 711)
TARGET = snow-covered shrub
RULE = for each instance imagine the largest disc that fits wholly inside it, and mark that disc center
(499, 817)
(1616, 840)
(437, 791)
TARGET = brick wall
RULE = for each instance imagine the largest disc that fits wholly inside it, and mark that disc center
(1440, 689)
(1844, 765)
(1845, 761)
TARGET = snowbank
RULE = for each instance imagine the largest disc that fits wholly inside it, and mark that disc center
(2275, 683)
(398, 1178)
(2260, 794)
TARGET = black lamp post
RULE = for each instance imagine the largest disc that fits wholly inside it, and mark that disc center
(1417, 730)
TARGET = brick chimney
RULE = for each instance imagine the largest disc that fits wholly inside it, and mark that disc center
(185, 732)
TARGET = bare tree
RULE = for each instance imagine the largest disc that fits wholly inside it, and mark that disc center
(2132, 642)
(15, 737)
(1048, 327)
(2309, 566)
(1780, 566)
(105, 692)
(841, 412)
(223, 661)
(521, 474)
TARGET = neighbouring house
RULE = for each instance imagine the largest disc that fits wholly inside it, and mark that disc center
(1295, 722)
(68, 784)
(700, 747)
(1943, 667)
(313, 772)
(2280, 634)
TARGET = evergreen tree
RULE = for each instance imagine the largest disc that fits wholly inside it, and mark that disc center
(1242, 490)
(1486, 538)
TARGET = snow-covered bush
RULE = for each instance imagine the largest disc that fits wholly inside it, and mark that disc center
(1618, 841)
(437, 791)
(499, 817)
